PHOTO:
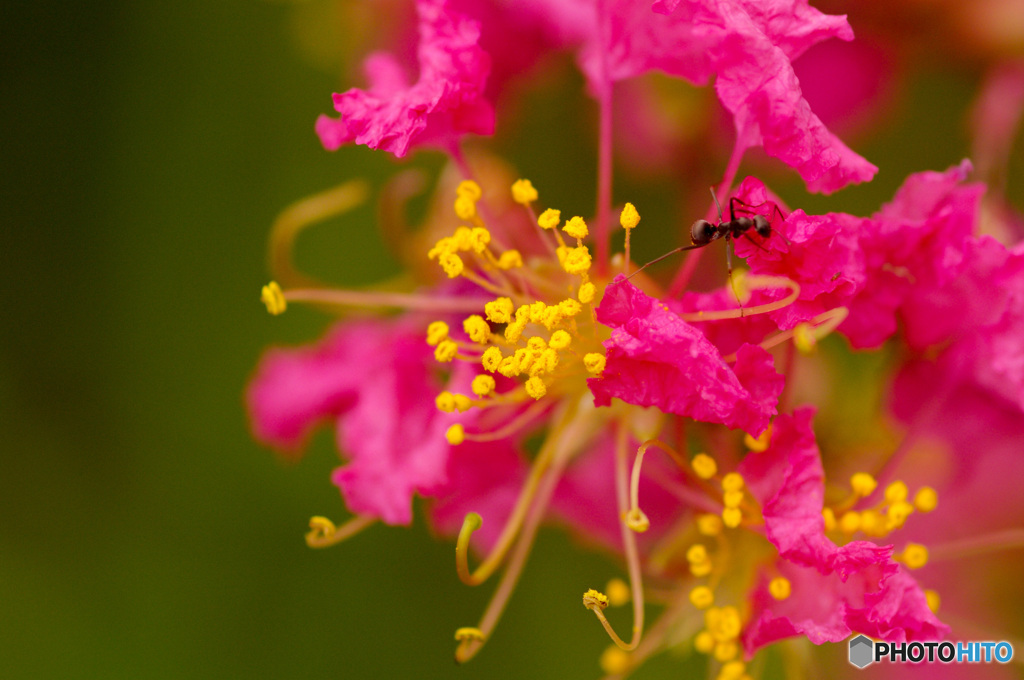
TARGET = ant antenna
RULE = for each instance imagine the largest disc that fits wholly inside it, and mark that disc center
(717, 205)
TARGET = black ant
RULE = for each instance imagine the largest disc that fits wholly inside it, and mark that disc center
(703, 233)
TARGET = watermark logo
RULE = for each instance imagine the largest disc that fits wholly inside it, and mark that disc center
(863, 652)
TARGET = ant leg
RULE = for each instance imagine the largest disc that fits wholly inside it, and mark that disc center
(732, 282)
(747, 235)
(662, 257)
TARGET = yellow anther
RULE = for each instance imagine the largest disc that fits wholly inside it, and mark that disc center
(545, 363)
(536, 344)
(732, 670)
(697, 553)
(873, 523)
(445, 402)
(462, 403)
(576, 228)
(897, 513)
(536, 388)
(760, 443)
(479, 238)
(726, 651)
(850, 522)
(702, 597)
(915, 556)
(560, 340)
(468, 187)
(732, 499)
(830, 519)
(437, 332)
(523, 192)
(451, 264)
(509, 367)
(537, 310)
(569, 307)
(445, 351)
(926, 499)
(629, 217)
(804, 338)
(704, 642)
(549, 219)
(595, 599)
(500, 310)
(552, 317)
(586, 293)
(524, 358)
(444, 245)
(477, 329)
(615, 661)
(732, 517)
(594, 363)
(896, 492)
(709, 525)
(463, 238)
(726, 625)
(514, 330)
(637, 520)
(933, 600)
(273, 298)
(321, 527)
(491, 359)
(780, 588)
(510, 259)
(469, 634)
(455, 435)
(704, 466)
(863, 484)
(465, 207)
(618, 592)
(577, 260)
(732, 482)
(483, 385)
(699, 569)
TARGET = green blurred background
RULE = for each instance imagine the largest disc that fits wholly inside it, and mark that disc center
(147, 147)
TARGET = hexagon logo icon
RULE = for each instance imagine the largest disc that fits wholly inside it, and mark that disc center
(862, 651)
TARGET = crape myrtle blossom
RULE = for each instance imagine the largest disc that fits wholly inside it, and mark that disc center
(530, 375)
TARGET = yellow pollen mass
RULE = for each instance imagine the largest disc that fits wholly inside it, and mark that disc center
(549, 219)
(569, 307)
(273, 298)
(704, 642)
(536, 344)
(701, 597)
(872, 523)
(468, 633)
(483, 385)
(732, 499)
(451, 264)
(896, 492)
(615, 661)
(462, 403)
(704, 466)
(500, 310)
(552, 317)
(594, 599)
(436, 332)
(629, 217)
(709, 525)
(618, 592)
(491, 359)
(577, 260)
(933, 599)
(479, 238)
(536, 311)
(523, 192)
(780, 588)
(536, 388)
(456, 434)
(445, 402)
(510, 259)
(560, 340)
(445, 351)
(576, 228)
(732, 671)
(732, 482)
(761, 443)
(463, 238)
(732, 517)
(897, 513)
(829, 518)
(850, 522)
(915, 555)
(863, 484)
(636, 520)
(726, 651)
(586, 293)
(697, 553)
(803, 338)
(514, 330)
(728, 625)
(926, 499)
(465, 207)
(469, 188)
(509, 367)
(699, 569)
(594, 362)
(477, 329)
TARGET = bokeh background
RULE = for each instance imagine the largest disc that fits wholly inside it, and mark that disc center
(146, 148)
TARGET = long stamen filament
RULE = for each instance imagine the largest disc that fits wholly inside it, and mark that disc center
(1010, 539)
(751, 282)
(324, 534)
(353, 298)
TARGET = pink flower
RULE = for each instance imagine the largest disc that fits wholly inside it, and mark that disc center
(836, 589)
(373, 379)
(444, 104)
(654, 358)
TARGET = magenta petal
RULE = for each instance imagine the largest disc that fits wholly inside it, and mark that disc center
(654, 358)
(445, 103)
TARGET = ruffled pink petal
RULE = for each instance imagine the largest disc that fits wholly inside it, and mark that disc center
(654, 358)
(445, 103)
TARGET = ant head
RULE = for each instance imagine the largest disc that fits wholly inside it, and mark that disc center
(702, 232)
(762, 226)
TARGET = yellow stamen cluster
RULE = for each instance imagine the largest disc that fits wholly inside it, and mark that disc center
(618, 592)
(629, 217)
(890, 514)
(722, 627)
(702, 597)
(576, 228)
(273, 298)
(914, 556)
(732, 498)
(704, 466)
(595, 600)
(761, 443)
(523, 192)
(780, 588)
(700, 563)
